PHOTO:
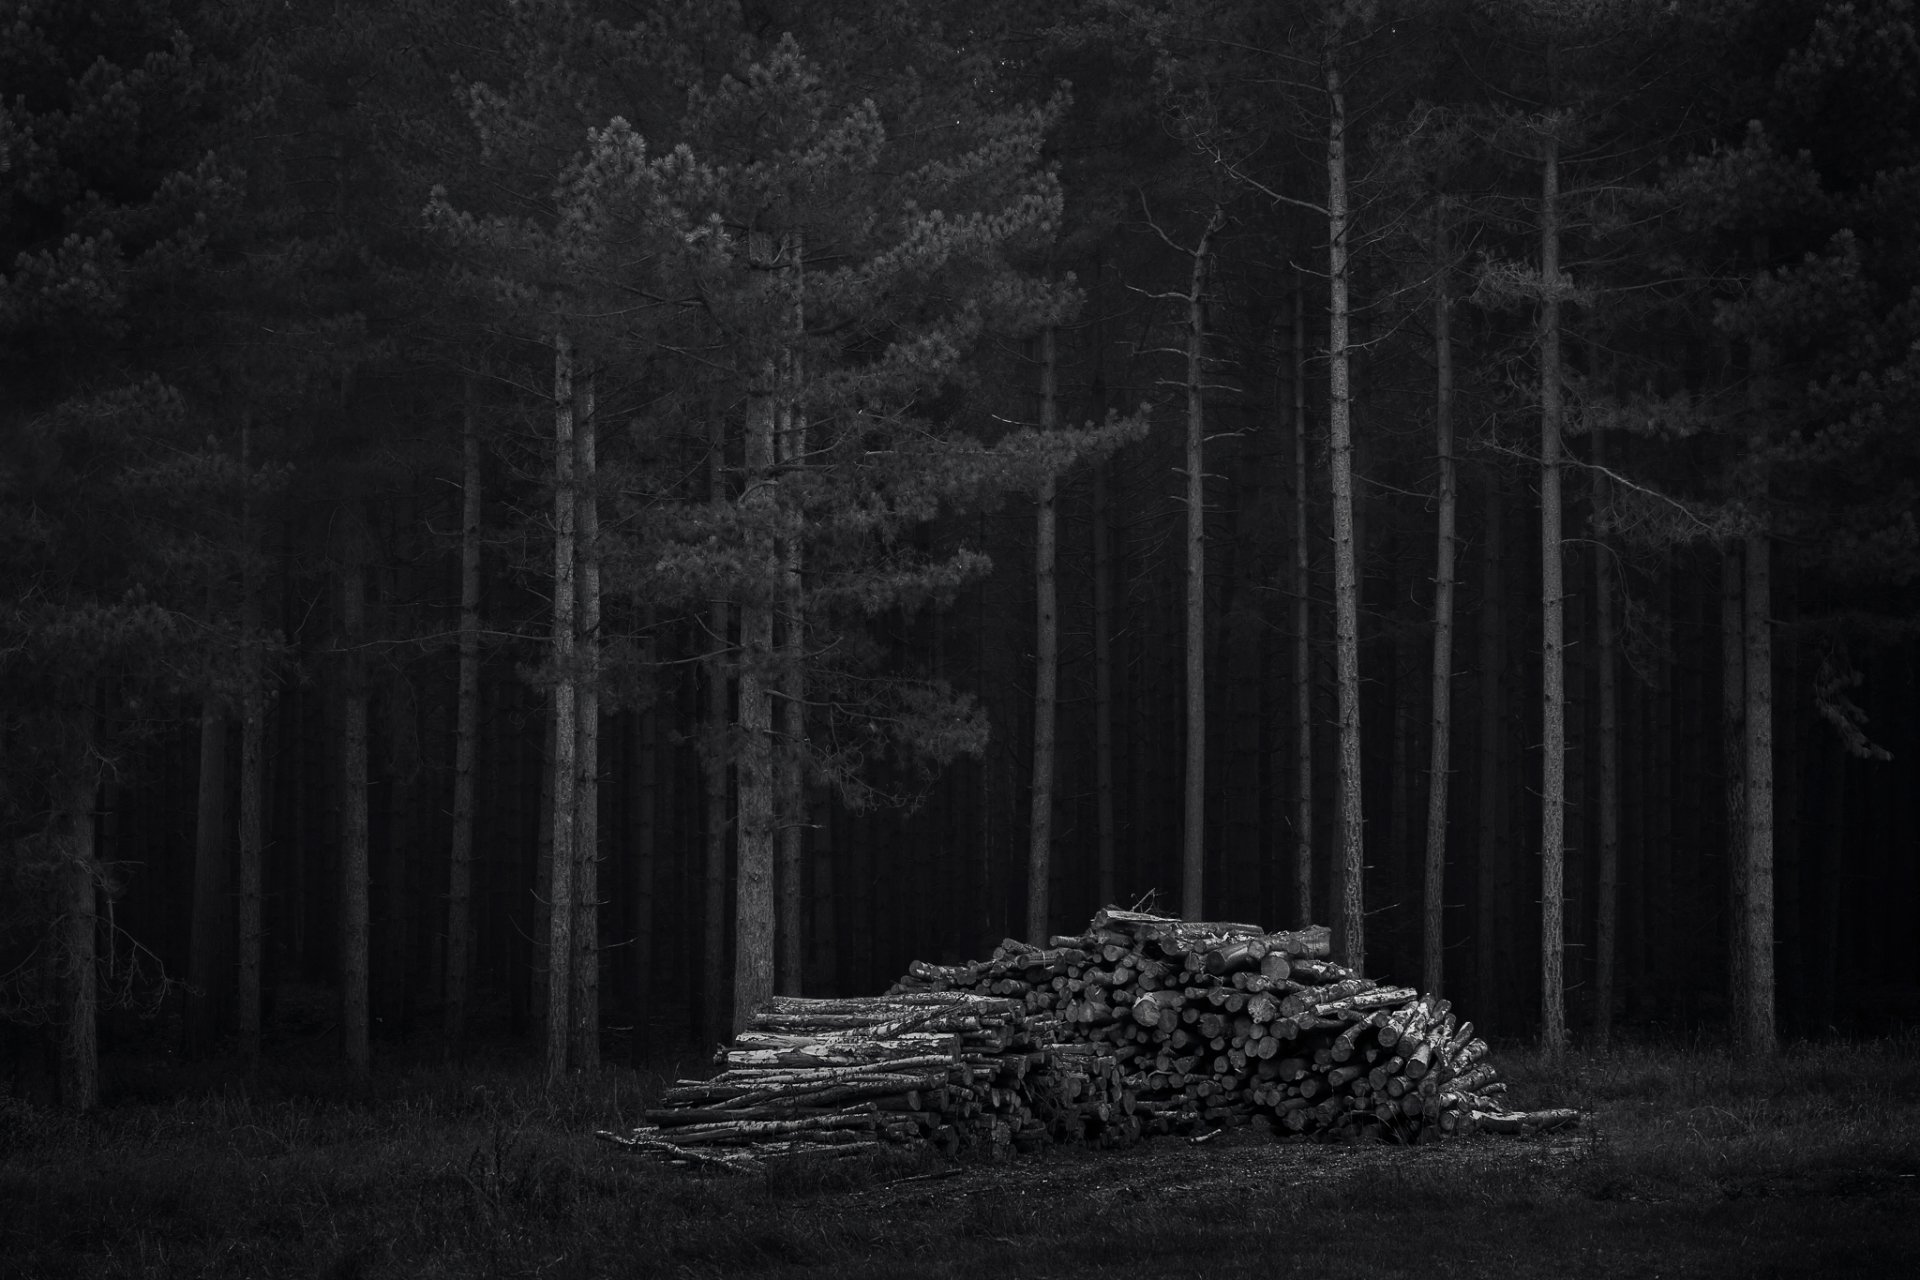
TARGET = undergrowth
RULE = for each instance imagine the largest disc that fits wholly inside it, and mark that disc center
(1687, 1161)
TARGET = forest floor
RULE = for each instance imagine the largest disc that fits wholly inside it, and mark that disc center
(1689, 1164)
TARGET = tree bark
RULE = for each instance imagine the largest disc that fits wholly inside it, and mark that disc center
(1302, 628)
(642, 852)
(718, 717)
(1492, 797)
(1757, 1034)
(354, 867)
(583, 1049)
(1107, 878)
(1432, 956)
(1733, 756)
(1350, 914)
(253, 770)
(1607, 911)
(79, 1063)
(1553, 762)
(753, 938)
(1046, 673)
(792, 807)
(1194, 833)
(466, 738)
(560, 874)
(207, 951)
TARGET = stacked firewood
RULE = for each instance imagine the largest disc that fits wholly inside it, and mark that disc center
(959, 1070)
(1142, 1024)
(1216, 1024)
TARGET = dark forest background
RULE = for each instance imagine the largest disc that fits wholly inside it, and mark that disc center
(803, 408)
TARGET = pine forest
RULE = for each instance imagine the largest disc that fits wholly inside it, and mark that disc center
(549, 523)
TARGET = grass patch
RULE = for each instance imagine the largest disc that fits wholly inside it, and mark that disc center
(1690, 1163)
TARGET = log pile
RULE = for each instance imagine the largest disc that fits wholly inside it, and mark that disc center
(1142, 1024)
(959, 1070)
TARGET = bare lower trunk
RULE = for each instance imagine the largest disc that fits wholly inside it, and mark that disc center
(753, 915)
(1733, 756)
(354, 869)
(1106, 875)
(1757, 1034)
(253, 776)
(791, 811)
(1350, 912)
(1553, 764)
(207, 951)
(713, 1024)
(643, 826)
(1046, 671)
(583, 1048)
(1439, 758)
(1302, 633)
(1607, 911)
(79, 1067)
(1194, 835)
(1492, 798)
(560, 877)
(466, 741)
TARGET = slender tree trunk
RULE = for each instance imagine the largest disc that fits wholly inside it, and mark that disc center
(79, 1063)
(207, 951)
(1046, 669)
(402, 752)
(1607, 914)
(1193, 856)
(1733, 757)
(791, 810)
(1553, 763)
(560, 876)
(753, 940)
(1106, 874)
(1757, 1035)
(253, 772)
(1350, 915)
(1439, 761)
(1302, 628)
(354, 866)
(643, 824)
(1492, 798)
(714, 1026)
(466, 739)
(584, 1040)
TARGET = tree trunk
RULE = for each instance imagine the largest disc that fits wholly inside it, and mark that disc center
(1106, 875)
(560, 899)
(584, 1040)
(1193, 847)
(1607, 912)
(718, 845)
(1302, 632)
(1553, 752)
(253, 774)
(402, 753)
(1439, 759)
(1733, 757)
(1046, 669)
(79, 1065)
(466, 740)
(207, 951)
(643, 824)
(1757, 1035)
(354, 870)
(792, 808)
(1350, 913)
(1492, 797)
(753, 936)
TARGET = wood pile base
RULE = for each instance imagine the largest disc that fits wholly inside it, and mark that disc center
(1141, 1025)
